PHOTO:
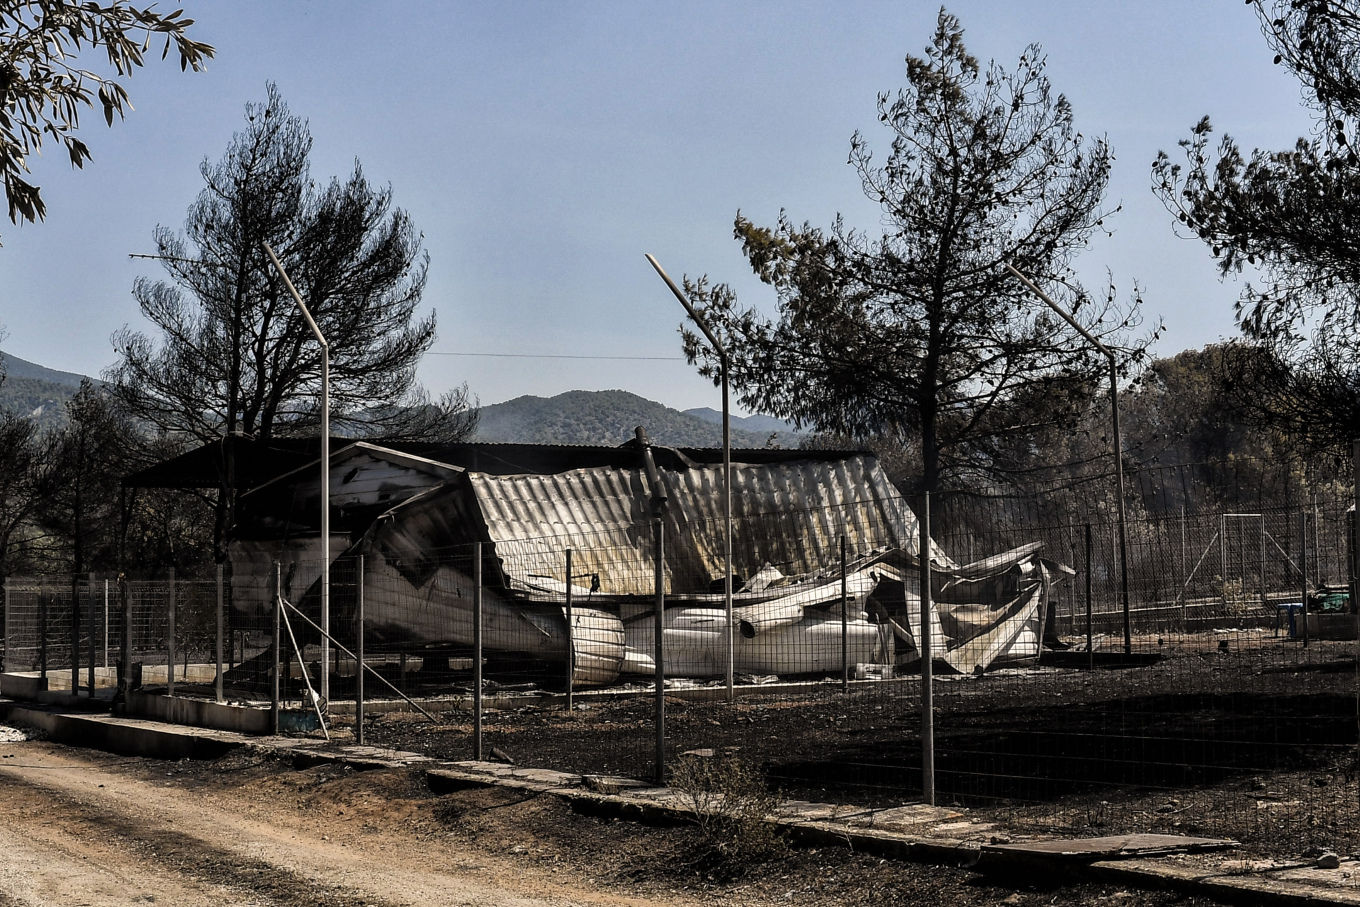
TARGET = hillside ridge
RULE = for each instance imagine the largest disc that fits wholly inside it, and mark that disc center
(610, 417)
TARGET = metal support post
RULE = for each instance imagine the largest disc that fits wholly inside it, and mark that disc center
(571, 641)
(170, 639)
(1090, 639)
(1303, 569)
(359, 651)
(1355, 587)
(125, 599)
(659, 619)
(75, 634)
(845, 625)
(477, 651)
(1118, 444)
(1264, 603)
(927, 668)
(90, 623)
(274, 649)
(220, 603)
(42, 628)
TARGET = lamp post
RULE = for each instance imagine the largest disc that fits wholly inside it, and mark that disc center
(727, 464)
(325, 479)
(1118, 445)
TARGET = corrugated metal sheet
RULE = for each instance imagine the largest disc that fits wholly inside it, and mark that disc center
(790, 515)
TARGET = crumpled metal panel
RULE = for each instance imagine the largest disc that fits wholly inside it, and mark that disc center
(788, 514)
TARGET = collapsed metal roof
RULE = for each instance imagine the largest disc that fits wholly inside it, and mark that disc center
(790, 509)
(787, 515)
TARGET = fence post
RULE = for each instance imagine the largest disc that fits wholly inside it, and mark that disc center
(125, 599)
(477, 651)
(42, 628)
(274, 649)
(75, 634)
(359, 651)
(220, 603)
(89, 671)
(106, 623)
(1354, 558)
(4, 653)
(845, 625)
(1090, 639)
(170, 638)
(659, 614)
(571, 642)
(927, 668)
(1264, 602)
(1303, 569)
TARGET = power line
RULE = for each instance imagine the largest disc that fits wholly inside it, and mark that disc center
(558, 356)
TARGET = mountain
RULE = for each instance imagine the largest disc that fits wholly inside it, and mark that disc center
(36, 391)
(757, 423)
(607, 417)
(14, 367)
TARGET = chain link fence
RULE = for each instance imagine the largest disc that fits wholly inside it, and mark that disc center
(1221, 697)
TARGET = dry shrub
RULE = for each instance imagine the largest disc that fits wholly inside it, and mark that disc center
(731, 806)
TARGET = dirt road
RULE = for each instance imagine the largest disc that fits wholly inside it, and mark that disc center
(80, 827)
(87, 828)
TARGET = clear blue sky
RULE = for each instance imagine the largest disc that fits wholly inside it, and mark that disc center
(542, 148)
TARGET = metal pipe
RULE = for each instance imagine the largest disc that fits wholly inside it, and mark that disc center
(659, 614)
(170, 639)
(125, 599)
(42, 627)
(1264, 602)
(90, 623)
(845, 624)
(727, 465)
(220, 603)
(75, 634)
(927, 667)
(325, 477)
(359, 651)
(1303, 571)
(571, 642)
(1118, 443)
(274, 649)
(477, 651)
(344, 651)
(1090, 640)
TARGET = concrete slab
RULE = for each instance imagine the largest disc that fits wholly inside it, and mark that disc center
(128, 736)
(1106, 848)
(911, 817)
(21, 686)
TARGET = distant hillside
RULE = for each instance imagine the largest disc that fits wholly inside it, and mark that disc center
(755, 423)
(607, 417)
(14, 367)
(35, 390)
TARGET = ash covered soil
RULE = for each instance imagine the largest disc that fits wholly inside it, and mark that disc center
(1241, 735)
(91, 828)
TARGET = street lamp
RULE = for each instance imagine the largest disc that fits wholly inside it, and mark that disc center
(727, 464)
(1118, 446)
(325, 479)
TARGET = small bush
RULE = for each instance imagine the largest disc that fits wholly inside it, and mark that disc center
(731, 804)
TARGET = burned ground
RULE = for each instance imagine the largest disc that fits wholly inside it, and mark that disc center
(1255, 741)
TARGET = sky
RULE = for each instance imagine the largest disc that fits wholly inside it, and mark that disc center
(543, 147)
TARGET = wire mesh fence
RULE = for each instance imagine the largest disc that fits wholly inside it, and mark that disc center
(1220, 696)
